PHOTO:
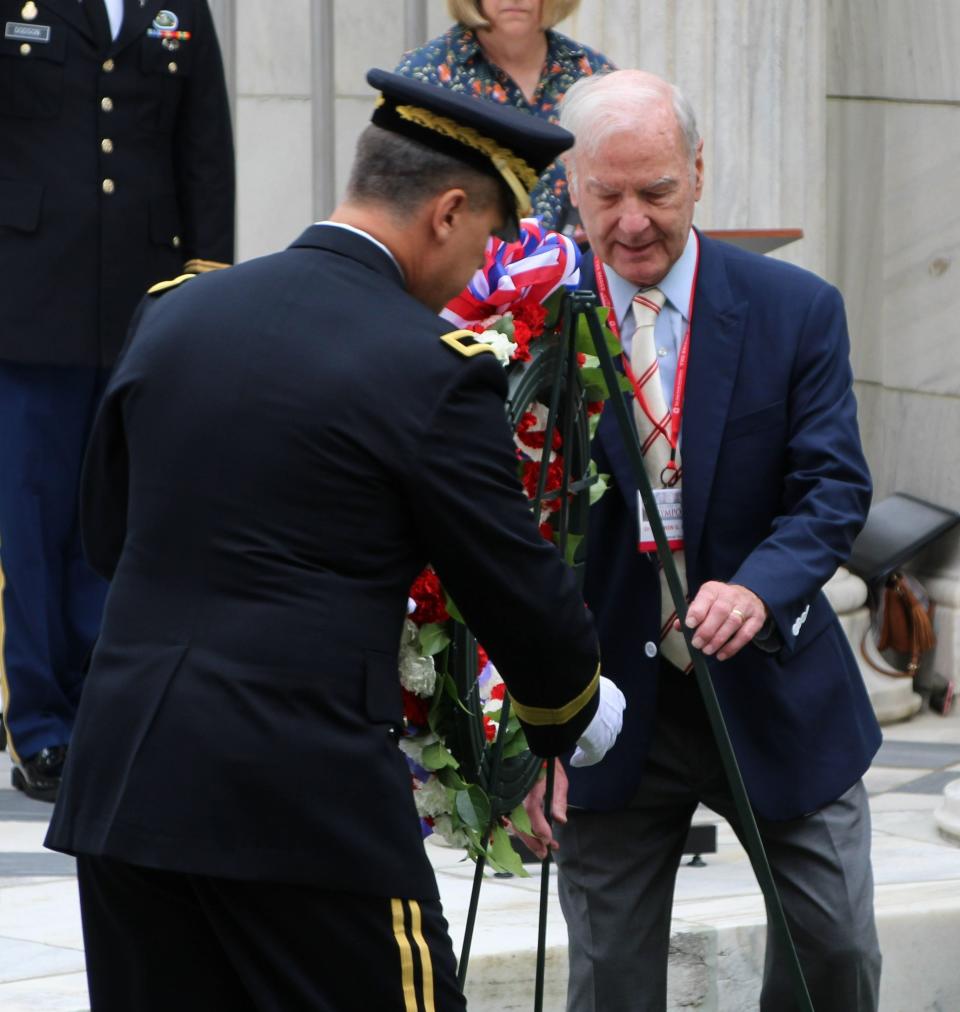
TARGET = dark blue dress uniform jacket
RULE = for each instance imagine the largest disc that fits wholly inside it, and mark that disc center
(79, 118)
(775, 489)
(279, 452)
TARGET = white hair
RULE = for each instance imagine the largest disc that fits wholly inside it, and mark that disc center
(603, 104)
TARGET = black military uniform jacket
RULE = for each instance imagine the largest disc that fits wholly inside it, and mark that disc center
(116, 168)
(282, 448)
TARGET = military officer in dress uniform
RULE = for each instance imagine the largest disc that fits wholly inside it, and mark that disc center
(281, 449)
(116, 171)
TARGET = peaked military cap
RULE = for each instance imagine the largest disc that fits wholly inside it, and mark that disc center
(510, 145)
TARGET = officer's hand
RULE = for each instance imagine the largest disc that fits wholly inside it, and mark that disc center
(533, 803)
(602, 731)
(726, 617)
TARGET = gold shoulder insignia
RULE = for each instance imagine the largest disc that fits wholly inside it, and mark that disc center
(465, 342)
(164, 286)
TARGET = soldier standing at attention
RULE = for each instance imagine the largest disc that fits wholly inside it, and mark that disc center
(116, 171)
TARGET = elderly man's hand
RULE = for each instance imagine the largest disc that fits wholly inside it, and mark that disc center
(725, 617)
(533, 803)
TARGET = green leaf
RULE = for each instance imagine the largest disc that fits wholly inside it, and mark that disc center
(504, 326)
(452, 609)
(473, 807)
(553, 306)
(516, 745)
(520, 820)
(450, 778)
(584, 340)
(433, 639)
(593, 423)
(502, 855)
(573, 544)
(600, 486)
(436, 757)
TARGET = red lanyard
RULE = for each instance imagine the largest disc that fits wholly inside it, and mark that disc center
(680, 380)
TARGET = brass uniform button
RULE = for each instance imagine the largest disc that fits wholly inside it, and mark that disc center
(106, 146)
(172, 67)
(29, 11)
(108, 66)
(106, 104)
(176, 242)
(25, 49)
(108, 186)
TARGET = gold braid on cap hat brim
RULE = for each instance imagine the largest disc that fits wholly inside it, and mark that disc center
(516, 173)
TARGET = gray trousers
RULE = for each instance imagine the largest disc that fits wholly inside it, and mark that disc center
(617, 872)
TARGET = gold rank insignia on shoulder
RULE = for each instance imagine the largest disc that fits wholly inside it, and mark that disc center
(465, 342)
(164, 286)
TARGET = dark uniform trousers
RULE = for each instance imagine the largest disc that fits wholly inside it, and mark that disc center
(116, 170)
(52, 600)
(618, 868)
(157, 941)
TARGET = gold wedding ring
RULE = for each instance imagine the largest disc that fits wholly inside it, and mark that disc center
(740, 615)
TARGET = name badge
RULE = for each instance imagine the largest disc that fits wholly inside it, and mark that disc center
(670, 507)
(26, 33)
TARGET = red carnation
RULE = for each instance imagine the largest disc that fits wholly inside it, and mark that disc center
(498, 691)
(482, 658)
(428, 594)
(415, 708)
(489, 728)
(594, 408)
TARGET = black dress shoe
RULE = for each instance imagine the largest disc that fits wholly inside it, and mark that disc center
(39, 776)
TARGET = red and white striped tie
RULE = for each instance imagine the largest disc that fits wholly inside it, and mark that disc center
(653, 421)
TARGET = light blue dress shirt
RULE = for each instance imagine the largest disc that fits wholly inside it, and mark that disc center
(672, 322)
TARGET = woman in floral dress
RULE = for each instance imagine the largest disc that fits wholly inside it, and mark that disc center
(507, 51)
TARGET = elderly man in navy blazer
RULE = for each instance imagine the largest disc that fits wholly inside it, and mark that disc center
(742, 385)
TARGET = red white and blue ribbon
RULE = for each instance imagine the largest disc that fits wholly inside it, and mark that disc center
(533, 267)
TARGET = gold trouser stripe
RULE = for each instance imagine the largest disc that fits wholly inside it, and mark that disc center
(4, 684)
(406, 957)
(425, 964)
(541, 715)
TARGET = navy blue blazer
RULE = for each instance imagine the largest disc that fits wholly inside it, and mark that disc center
(775, 488)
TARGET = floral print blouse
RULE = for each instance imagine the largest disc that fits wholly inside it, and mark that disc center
(455, 60)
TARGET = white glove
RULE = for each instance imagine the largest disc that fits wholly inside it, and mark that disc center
(602, 731)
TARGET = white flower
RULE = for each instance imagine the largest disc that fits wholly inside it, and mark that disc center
(413, 747)
(502, 346)
(417, 674)
(443, 827)
(431, 798)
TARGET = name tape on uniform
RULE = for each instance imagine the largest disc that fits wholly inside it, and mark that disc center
(26, 33)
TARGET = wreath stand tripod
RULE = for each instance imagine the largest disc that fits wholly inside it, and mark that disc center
(506, 780)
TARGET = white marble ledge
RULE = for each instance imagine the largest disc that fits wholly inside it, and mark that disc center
(947, 814)
(64, 993)
(21, 961)
(22, 837)
(879, 779)
(46, 912)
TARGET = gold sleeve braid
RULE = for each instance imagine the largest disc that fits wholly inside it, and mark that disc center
(541, 716)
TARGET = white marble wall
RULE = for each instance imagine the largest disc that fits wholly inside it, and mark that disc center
(754, 71)
(893, 248)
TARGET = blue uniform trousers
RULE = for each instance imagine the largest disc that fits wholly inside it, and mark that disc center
(52, 600)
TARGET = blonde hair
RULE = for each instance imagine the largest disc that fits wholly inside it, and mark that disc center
(467, 12)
